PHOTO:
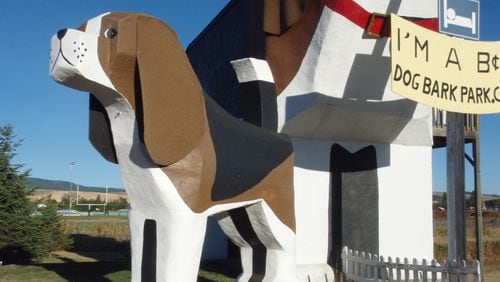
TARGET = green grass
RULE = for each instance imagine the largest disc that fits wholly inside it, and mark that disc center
(96, 271)
(101, 252)
(123, 275)
(88, 271)
(213, 276)
(28, 273)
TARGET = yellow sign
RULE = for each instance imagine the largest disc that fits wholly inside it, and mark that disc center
(444, 72)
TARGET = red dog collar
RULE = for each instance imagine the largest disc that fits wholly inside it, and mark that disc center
(375, 24)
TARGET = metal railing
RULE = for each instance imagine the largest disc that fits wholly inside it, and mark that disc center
(471, 121)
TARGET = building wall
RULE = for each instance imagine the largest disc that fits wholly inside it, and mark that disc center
(339, 96)
(234, 34)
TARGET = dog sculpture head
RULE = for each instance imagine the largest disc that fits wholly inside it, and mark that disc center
(137, 58)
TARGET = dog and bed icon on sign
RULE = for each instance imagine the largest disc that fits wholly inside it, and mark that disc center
(459, 18)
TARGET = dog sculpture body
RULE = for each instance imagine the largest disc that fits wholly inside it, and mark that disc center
(361, 151)
(182, 157)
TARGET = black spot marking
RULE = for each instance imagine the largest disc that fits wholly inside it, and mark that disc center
(148, 267)
(245, 153)
(259, 252)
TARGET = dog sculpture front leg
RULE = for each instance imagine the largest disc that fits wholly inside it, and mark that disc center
(267, 246)
(166, 248)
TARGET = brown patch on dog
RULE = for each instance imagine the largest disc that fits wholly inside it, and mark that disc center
(171, 93)
(279, 15)
(165, 93)
(194, 176)
(285, 52)
(276, 190)
(118, 55)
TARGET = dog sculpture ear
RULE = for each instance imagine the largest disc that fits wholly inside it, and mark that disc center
(172, 101)
(100, 130)
(279, 15)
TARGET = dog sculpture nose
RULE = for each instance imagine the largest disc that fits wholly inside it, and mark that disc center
(61, 33)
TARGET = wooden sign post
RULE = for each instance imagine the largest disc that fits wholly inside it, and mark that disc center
(467, 28)
(455, 186)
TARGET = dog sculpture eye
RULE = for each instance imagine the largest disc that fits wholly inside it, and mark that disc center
(110, 33)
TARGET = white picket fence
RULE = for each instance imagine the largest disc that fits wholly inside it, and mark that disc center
(358, 266)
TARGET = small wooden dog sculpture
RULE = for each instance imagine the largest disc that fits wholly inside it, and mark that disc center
(181, 156)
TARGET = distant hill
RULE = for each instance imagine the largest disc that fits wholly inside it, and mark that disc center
(436, 196)
(34, 182)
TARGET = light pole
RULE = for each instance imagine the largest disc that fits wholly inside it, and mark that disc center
(71, 164)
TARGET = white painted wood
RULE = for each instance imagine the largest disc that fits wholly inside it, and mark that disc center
(405, 203)
(395, 270)
(251, 69)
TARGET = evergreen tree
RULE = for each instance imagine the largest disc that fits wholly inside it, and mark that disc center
(23, 234)
(48, 229)
(15, 209)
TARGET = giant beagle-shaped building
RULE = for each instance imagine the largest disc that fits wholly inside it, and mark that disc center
(182, 157)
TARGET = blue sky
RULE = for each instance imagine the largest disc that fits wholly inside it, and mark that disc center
(52, 119)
